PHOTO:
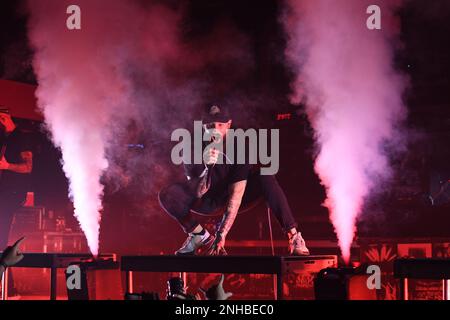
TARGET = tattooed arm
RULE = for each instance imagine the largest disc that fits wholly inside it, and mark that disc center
(234, 202)
(26, 166)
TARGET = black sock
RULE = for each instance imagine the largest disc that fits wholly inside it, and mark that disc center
(201, 233)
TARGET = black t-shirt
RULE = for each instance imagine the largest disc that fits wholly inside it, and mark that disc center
(222, 176)
(16, 143)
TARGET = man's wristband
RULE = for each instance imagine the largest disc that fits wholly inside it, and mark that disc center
(220, 235)
(3, 265)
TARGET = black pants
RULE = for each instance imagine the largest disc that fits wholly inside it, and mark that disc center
(9, 204)
(179, 201)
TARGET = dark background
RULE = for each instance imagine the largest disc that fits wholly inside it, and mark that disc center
(401, 211)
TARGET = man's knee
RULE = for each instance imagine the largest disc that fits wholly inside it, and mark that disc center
(269, 182)
(176, 199)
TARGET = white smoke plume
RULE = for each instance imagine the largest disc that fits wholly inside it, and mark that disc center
(129, 63)
(84, 91)
(345, 73)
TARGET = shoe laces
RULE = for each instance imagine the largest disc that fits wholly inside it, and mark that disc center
(188, 239)
(297, 239)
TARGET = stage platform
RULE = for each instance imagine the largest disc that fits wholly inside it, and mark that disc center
(279, 266)
(436, 269)
(275, 265)
(55, 261)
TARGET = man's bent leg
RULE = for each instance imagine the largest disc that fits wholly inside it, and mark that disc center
(278, 204)
(177, 200)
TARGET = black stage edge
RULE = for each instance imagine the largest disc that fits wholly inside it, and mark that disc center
(276, 265)
(55, 261)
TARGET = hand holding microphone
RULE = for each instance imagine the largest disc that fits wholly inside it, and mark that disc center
(211, 156)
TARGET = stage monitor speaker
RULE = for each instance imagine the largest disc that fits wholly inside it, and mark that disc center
(93, 280)
(342, 284)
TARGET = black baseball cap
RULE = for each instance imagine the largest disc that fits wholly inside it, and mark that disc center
(216, 113)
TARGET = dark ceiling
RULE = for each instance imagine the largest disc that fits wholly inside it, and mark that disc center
(425, 31)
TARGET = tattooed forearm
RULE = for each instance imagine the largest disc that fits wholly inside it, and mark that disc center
(26, 166)
(236, 193)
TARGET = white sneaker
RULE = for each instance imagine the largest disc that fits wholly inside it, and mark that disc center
(297, 245)
(195, 242)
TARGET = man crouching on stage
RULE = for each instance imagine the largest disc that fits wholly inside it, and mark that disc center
(212, 187)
